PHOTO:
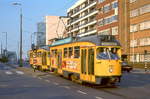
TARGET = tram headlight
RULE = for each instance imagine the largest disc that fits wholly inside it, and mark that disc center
(110, 69)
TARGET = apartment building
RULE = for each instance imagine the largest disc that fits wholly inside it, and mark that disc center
(55, 27)
(82, 18)
(139, 30)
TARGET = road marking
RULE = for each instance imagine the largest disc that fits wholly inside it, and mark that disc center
(20, 72)
(56, 83)
(99, 97)
(34, 76)
(40, 78)
(65, 87)
(3, 85)
(79, 91)
(25, 85)
(47, 80)
(8, 72)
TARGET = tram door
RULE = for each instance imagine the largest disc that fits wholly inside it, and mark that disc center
(44, 60)
(83, 60)
(87, 64)
(91, 61)
(59, 59)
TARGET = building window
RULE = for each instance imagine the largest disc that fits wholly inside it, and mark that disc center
(107, 8)
(110, 19)
(145, 9)
(134, 13)
(104, 32)
(101, 22)
(144, 41)
(115, 4)
(131, 1)
(145, 25)
(134, 28)
(115, 30)
(100, 1)
(133, 43)
(114, 18)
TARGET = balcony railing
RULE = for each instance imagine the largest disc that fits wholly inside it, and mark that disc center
(83, 16)
(86, 5)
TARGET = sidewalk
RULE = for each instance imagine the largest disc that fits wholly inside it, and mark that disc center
(138, 70)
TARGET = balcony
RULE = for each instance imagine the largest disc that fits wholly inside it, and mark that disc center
(84, 8)
(89, 32)
(91, 22)
(93, 12)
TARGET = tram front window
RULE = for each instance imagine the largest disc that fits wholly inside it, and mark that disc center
(107, 54)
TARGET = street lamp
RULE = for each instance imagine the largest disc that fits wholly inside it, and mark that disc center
(6, 39)
(6, 44)
(19, 4)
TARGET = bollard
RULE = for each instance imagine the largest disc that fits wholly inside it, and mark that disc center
(145, 67)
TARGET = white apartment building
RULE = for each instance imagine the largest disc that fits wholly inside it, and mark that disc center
(82, 18)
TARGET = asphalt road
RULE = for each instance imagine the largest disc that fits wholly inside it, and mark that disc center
(23, 83)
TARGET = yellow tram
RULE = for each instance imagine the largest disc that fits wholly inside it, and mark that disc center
(40, 59)
(93, 59)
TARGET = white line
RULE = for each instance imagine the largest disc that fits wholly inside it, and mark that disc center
(65, 87)
(34, 76)
(99, 97)
(56, 83)
(3, 85)
(81, 92)
(8, 72)
(20, 72)
(47, 80)
(40, 78)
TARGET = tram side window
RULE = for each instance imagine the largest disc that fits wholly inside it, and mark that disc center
(39, 54)
(76, 52)
(70, 52)
(31, 55)
(48, 54)
(65, 52)
(54, 53)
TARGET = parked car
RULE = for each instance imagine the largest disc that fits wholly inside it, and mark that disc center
(126, 66)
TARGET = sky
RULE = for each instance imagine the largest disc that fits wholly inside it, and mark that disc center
(33, 12)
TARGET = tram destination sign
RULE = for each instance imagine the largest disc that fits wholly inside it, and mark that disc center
(109, 44)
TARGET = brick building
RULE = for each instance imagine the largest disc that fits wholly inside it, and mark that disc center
(113, 19)
(139, 30)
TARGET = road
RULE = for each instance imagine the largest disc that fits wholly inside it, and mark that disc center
(23, 83)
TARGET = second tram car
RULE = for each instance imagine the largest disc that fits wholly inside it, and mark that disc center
(40, 59)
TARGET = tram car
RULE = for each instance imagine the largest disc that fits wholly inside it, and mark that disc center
(93, 59)
(40, 59)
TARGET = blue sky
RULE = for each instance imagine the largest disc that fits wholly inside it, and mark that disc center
(33, 12)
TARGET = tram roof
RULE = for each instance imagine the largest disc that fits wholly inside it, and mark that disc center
(99, 40)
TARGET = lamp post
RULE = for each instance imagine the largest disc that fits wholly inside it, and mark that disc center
(19, 4)
(6, 39)
(6, 44)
